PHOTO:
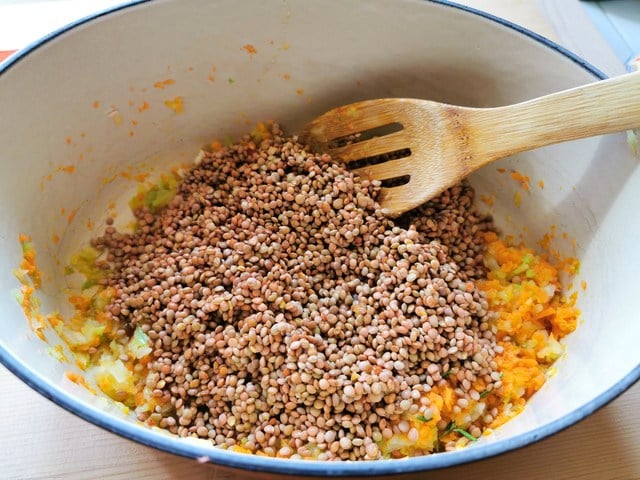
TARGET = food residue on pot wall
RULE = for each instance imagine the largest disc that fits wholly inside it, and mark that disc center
(30, 278)
(176, 104)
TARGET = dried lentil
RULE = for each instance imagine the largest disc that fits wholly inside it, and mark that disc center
(279, 300)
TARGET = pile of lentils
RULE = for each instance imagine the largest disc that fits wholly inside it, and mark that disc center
(288, 316)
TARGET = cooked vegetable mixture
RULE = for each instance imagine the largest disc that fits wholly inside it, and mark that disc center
(264, 302)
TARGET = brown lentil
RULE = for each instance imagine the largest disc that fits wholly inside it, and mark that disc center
(286, 311)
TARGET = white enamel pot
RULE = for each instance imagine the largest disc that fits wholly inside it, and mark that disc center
(87, 103)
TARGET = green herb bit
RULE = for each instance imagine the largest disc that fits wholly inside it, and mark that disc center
(451, 426)
(486, 393)
(466, 434)
(447, 374)
(422, 418)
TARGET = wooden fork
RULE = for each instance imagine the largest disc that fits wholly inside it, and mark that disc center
(441, 144)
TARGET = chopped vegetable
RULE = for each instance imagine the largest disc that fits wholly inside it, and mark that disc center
(120, 339)
(157, 196)
(84, 262)
(138, 346)
(531, 317)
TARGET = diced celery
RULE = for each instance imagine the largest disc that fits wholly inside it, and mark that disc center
(138, 346)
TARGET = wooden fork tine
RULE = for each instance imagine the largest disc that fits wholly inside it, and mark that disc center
(387, 170)
(372, 147)
(354, 118)
(397, 200)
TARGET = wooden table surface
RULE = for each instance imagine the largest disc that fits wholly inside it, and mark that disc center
(39, 440)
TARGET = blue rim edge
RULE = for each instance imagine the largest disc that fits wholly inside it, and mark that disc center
(221, 457)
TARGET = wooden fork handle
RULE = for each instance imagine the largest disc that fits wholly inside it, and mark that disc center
(599, 108)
